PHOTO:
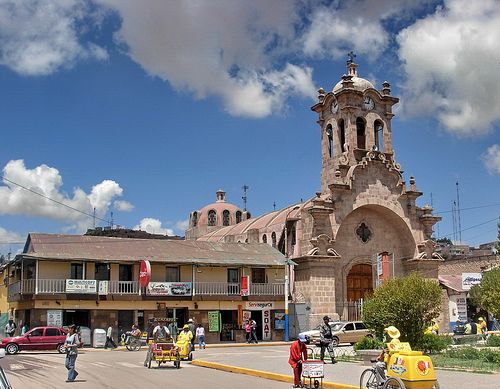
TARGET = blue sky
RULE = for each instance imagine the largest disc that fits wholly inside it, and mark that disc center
(145, 110)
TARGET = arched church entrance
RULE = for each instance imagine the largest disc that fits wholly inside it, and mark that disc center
(359, 282)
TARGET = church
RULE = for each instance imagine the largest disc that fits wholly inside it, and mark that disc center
(362, 228)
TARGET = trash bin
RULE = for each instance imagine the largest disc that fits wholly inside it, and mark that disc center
(85, 336)
(99, 338)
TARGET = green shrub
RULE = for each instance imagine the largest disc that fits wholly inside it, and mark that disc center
(368, 343)
(409, 303)
(432, 343)
(493, 341)
(471, 353)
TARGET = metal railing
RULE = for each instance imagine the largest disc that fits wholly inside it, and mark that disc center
(50, 286)
(123, 287)
(274, 289)
(217, 288)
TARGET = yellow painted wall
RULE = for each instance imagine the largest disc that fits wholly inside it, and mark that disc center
(90, 271)
(211, 274)
(4, 305)
(186, 273)
(53, 270)
(114, 272)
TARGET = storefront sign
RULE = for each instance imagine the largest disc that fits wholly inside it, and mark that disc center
(246, 316)
(169, 288)
(313, 369)
(266, 324)
(144, 273)
(279, 320)
(259, 306)
(213, 321)
(245, 286)
(470, 279)
(81, 286)
(54, 317)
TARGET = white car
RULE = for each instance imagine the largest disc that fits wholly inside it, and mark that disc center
(313, 334)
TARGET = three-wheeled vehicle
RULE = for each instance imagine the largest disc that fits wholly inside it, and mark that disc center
(163, 352)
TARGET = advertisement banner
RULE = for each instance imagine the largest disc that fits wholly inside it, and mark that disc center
(103, 288)
(470, 279)
(169, 289)
(259, 306)
(279, 320)
(245, 286)
(213, 321)
(81, 286)
(54, 317)
(266, 324)
(144, 273)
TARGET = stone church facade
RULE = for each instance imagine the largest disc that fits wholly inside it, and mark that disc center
(364, 215)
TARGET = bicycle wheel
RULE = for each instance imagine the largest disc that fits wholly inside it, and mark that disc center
(368, 379)
(394, 383)
(135, 345)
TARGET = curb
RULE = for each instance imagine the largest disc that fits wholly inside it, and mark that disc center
(263, 374)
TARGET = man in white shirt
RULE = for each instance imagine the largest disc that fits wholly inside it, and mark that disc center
(109, 338)
(161, 333)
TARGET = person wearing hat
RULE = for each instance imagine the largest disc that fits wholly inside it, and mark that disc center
(298, 354)
(185, 336)
(326, 339)
(71, 346)
(482, 325)
(393, 333)
(192, 328)
(160, 332)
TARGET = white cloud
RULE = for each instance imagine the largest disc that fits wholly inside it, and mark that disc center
(40, 37)
(224, 49)
(10, 240)
(47, 181)
(123, 206)
(153, 226)
(182, 225)
(451, 59)
(491, 159)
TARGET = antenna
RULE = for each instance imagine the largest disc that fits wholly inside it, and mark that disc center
(111, 221)
(94, 217)
(454, 220)
(458, 214)
(244, 197)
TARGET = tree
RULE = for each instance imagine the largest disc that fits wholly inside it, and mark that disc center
(444, 241)
(487, 293)
(408, 303)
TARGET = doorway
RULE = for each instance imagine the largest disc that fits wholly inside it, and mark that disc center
(359, 282)
(76, 317)
(125, 321)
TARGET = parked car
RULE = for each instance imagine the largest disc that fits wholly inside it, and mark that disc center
(313, 334)
(350, 332)
(39, 338)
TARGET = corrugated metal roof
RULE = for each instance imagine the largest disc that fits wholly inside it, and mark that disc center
(77, 247)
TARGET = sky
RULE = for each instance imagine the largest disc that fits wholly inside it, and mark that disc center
(143, 110)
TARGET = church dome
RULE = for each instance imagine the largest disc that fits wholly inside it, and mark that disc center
(360, 84)
(220, 213)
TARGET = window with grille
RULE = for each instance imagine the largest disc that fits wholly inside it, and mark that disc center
(225, 218)
(212, 218)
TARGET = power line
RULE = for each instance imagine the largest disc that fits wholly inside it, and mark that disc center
(471, 227)
(55, 201)
(466, 209)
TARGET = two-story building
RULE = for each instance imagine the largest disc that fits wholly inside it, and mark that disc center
(93, 281)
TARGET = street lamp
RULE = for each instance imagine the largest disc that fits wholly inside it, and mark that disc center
(287, 261)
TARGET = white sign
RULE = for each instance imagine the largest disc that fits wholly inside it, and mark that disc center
(470, 279)
(103, 287)
(266, 324)
(380, 269)
(313, 369)
(458, 307)
(54, 318)
(81, 286)
(169, 288)
(259, 306)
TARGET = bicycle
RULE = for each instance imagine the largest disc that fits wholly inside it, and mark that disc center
(132, 343)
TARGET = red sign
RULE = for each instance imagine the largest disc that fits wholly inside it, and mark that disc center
(245, 286)
(144, 273)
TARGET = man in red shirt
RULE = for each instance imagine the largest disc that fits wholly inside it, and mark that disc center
(298, 353)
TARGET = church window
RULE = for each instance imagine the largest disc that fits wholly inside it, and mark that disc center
(248, 215)
(264, 238)
(379, 135)
(238, 217)
(342, 134)
(360, 131)
(212, 217)
(329, 133)
(225, 217)
(194, 219)
(273, 239)
(363, 233)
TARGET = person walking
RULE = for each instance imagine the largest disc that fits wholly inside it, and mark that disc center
(326, 338)
(298, 354)
(248, 331)
(192, 328)
(253, 333)
(71, 345)
(10, 328)
(200, 335)
(109, 338)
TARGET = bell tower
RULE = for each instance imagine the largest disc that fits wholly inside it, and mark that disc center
(354, 118)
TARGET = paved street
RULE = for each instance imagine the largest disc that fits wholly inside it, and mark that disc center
(124, 369)
(118, 369)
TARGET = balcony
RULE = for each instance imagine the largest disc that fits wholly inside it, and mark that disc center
(233, 289)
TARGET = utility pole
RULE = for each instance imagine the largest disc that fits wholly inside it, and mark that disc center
(458, 214)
